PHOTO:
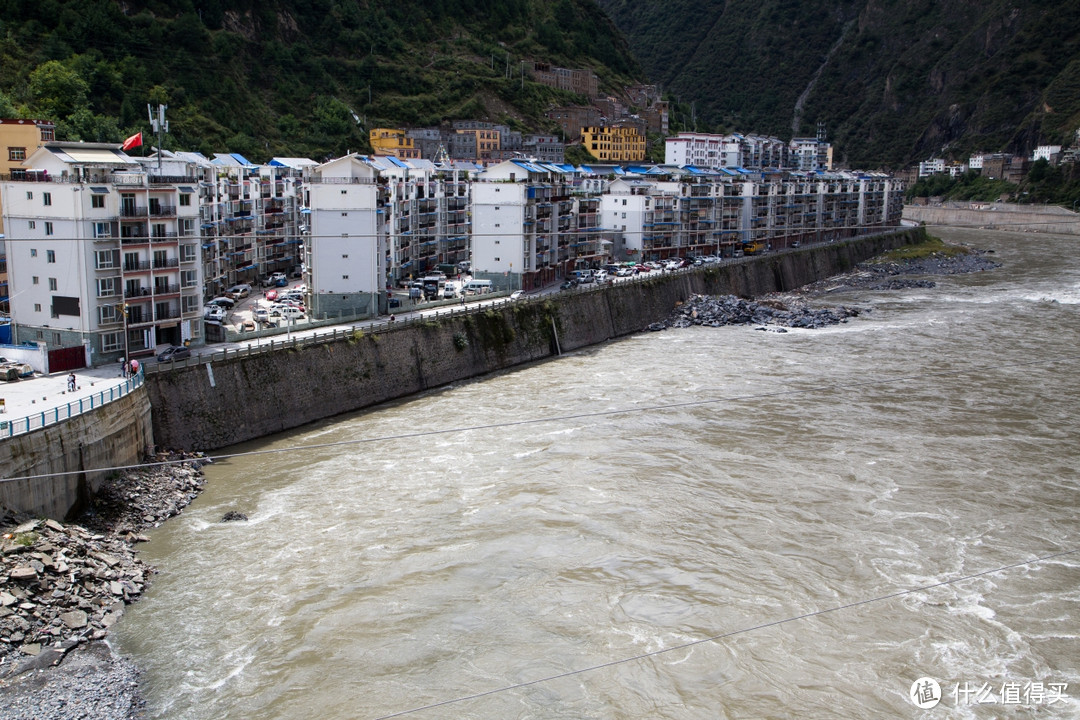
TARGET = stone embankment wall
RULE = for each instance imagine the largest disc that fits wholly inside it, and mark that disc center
(205, 407)
(116, 434)
(998, 216)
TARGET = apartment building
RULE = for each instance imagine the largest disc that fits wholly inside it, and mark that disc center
(252, 218)
(427, 215)
(532, 223)
(346, 249)
(19, 138)
(107, 251)
(614, 144)
(390, 141)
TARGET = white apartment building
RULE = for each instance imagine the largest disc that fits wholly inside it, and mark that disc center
(705, 150)
(932, 166)
(1049, 153)
(104, 252)
(531, 224)
(346, 249)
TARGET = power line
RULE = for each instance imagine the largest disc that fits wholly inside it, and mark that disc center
(557, 418)
(732, 633)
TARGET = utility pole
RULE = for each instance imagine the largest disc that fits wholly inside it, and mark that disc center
(160, 126)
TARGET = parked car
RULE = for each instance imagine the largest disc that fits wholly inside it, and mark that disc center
(215, 313)
(260, 314)
(278, 279)
(174, 352)
(238, 292)
(247, 326)
(624, 272)
(568, 284)
(286, 311)
(516, 294)
(224, 302)
(271, 295)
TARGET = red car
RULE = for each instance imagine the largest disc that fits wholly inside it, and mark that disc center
(271, 295)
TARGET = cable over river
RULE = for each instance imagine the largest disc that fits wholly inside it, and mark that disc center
(805, 503)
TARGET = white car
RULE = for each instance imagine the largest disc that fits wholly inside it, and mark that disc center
(215, 313)
(286, 311)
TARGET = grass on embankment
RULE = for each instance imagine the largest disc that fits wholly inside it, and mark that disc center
(932, 247)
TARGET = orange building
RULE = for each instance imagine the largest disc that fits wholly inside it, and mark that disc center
(388, 141)
(19, 138)
(614, 144)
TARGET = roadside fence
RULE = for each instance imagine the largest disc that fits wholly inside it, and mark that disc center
(60, 413)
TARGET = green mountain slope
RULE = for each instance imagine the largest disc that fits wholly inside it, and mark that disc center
(308, 78)
(896, 80)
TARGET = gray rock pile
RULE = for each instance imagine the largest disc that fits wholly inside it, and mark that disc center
(63, 583)
(718, 311)
(147, 497)
(62, 586)
(892, 275)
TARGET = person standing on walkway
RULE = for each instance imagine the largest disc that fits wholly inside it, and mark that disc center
(71, 382)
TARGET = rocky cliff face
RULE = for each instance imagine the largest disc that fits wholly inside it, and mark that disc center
(896, 82)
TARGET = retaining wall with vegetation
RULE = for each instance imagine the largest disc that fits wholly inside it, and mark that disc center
(208, 406)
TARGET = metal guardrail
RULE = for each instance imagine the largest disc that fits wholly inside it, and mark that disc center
(60, 413)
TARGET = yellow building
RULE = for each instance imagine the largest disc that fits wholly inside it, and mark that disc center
(19, 139)
(614, 144)
(387, 141)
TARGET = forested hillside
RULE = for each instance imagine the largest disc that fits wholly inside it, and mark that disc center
(268, 77)
(896, 80)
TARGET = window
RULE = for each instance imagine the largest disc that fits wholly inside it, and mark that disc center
(16, 153)
(496, 259)
(187, 227)
(33, 252)
(48, 228)
(46, 198)
(344, 192)
(97, 201)
(188, 253)
(35, 280)
(190, 303)
(106, 287)
(111, 342)
(29, 195)
(344, 214)
(185, 200)
(32, 225)
(52, 284)
(50, 256)
(37, 307)
(344, 277)
(188, 278)
(624, 201)
(624, 216)
(56, 339)
(102, 230)
(106, 259)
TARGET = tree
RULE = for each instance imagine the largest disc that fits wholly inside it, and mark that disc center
(57, 91)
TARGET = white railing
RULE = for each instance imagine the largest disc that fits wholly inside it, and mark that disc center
(60, 413)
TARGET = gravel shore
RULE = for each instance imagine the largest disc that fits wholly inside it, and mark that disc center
(63, 585)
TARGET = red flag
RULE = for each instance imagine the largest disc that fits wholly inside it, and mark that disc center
(132, 142)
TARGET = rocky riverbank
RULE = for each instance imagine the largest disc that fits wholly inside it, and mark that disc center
(881, 274)
(62, 586)
(775, 313)
(779, 311)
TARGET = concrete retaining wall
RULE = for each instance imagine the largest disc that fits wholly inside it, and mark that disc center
(1017, 218)
(116, 434)
(206, 407)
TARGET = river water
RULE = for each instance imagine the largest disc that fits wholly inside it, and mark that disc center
(609, 511)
